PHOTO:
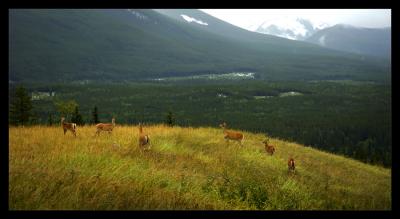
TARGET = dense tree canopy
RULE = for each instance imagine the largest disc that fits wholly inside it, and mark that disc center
(20, 107)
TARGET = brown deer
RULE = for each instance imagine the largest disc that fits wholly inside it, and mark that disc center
(107, 127)
(68, 126)
(143, 138)
(291, 165)
(232, 135)
(269, 148)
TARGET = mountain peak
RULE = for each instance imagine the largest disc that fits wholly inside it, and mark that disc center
(295, 28)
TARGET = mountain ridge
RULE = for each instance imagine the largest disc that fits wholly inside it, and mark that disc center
(117, 44)
(294, 29)
(359, 40)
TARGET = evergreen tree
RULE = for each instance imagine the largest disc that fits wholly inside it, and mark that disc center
(95, 115)
(50, 120)
(66, 108)
(77, 117)
(170, 119)
(20, 107)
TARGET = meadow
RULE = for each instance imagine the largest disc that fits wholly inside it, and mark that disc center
(186, 169)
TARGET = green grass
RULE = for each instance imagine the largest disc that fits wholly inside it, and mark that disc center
(186, 168)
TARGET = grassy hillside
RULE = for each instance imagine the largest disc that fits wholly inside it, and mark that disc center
(187, 168)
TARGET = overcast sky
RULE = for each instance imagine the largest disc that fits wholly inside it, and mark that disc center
(246, 18)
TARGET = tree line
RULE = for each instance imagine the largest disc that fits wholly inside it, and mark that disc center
(20, 111)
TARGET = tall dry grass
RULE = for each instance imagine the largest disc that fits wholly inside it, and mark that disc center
(186, 168)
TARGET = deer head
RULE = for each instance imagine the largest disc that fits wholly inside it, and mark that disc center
(222, 125)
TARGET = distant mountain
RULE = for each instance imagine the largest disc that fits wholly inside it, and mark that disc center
(366, 41)
(49, 45)
(205, 22)
(290, 28)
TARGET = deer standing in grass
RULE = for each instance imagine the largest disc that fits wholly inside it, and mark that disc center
(232, 135)
(68, 126)
(107, 127)
(143, 138)
(291, 165)
(269, 148)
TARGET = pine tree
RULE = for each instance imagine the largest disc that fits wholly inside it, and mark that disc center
(20, 107)
(170, 119)
(66, 108)
(50, 120)
(95, 115)
(77, 117)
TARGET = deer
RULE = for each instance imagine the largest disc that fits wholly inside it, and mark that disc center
(291, 164)
(107, 127)
(143, 138)
(231, 135)
(68, 126)
(269, 148)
